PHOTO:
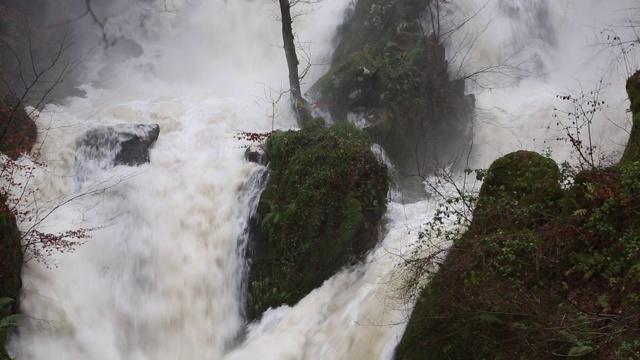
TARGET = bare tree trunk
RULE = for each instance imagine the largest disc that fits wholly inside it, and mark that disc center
(300, 105)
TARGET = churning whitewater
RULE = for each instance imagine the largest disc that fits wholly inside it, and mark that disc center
(160, 276)
(525, 52)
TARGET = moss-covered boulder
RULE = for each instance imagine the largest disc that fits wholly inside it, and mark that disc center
(18, 132)
(349, 85)
(10, 266)
(632, 151)
(521, 189)
(319, 212)
(541, 273)
(393, 76)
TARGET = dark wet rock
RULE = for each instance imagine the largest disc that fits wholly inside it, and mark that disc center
(256, 155)
(123, 144)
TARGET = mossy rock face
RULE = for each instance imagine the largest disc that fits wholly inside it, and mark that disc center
(632, 151)
(541, 273)
(373, 23)
(319, 212)
(18, 132)
(395, 80)
(521, 189)
(590, 189)
(536, 281)
(349, 84)
(11, 258)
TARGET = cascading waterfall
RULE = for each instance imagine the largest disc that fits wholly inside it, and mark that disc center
(160, 276)
(526, 53)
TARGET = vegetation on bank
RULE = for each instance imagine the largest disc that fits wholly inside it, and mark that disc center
(319, 212)
(548, 269)
(17, 135)
(10, 267)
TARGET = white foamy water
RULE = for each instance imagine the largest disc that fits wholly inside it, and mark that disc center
(357, 314)
(160, 277)
(529, 51)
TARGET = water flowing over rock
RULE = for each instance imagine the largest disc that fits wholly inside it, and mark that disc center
(164, 273)
(123, 144)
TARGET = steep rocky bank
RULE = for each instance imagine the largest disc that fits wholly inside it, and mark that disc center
(390, 76)
(543, 272)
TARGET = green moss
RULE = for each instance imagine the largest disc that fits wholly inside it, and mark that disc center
(372, 23)
(529, 281)
(401, 86)
(319, 211)
(521, 189)
(347, 84)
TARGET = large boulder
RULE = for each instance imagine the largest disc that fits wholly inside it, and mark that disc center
(521, 189)
(319, 212)
(505, 253)
(18, 132)
(122, 144)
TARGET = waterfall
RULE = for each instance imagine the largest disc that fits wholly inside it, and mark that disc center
(527, 52)
(159, 278)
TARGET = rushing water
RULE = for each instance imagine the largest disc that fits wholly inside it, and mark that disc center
(528, 51)
(159, 278)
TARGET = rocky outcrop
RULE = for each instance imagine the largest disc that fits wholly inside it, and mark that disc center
(541, 273)
(392, 77)
(319, 212)
(256, 155)
(123, 144)
(521, 189)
